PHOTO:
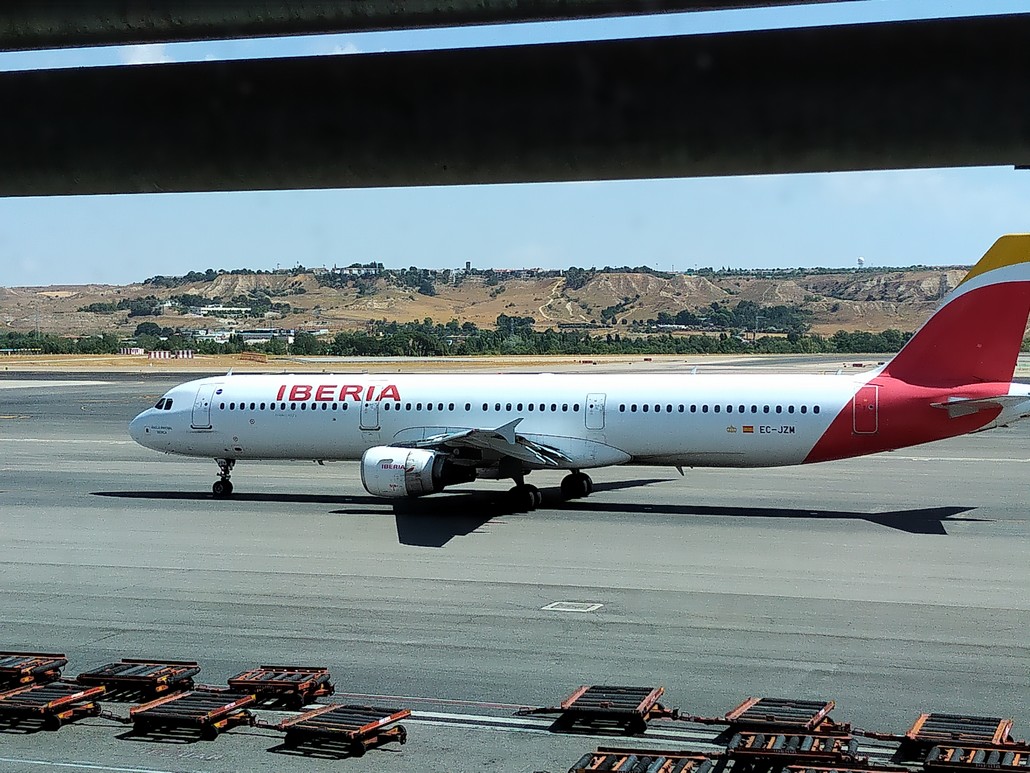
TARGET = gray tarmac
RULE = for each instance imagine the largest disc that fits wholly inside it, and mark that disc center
(892, 584)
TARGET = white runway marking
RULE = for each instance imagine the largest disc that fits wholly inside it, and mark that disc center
(5, 384)
(91, 441)
(83, 766)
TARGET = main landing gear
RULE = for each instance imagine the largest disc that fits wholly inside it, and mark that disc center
(576, 485)
(223, 486)
(526, 497)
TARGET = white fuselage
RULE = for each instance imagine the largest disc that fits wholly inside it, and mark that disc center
(597, 420)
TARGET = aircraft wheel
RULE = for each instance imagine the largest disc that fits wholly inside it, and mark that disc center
(222, 488)
(524, 498)
(576, 485)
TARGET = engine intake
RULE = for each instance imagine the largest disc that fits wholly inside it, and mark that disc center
(388, 471)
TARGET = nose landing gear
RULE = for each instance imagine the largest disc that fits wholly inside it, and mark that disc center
(222, 487)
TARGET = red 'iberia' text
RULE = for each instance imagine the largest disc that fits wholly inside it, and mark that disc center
(330, 392)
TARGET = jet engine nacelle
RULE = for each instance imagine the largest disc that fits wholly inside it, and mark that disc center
(388, 471)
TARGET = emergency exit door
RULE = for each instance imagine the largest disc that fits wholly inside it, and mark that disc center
(202, 407)
(594, 415)
(866, 410)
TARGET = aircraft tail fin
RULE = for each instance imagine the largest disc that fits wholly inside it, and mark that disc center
(976, 333)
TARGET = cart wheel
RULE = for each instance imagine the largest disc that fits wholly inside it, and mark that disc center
(636, 726)
(402, 734)
(356, 748)
(291, 741)
(296, 702)
(52, 723)
(208, 733)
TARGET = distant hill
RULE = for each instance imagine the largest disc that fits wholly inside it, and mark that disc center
(602, 300)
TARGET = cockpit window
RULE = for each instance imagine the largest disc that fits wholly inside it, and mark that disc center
(160, 404)
(168, 404)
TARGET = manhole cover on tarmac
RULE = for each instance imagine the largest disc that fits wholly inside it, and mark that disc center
(572, 606)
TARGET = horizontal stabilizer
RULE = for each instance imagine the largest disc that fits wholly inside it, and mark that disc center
(964, 406)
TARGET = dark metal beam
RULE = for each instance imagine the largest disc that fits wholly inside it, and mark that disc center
(30, 24)
(915, 94)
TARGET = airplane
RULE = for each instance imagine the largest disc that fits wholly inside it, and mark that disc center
(418, 434)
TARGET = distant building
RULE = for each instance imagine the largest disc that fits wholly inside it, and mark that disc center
(223, 311)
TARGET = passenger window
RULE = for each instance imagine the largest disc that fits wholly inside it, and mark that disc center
(716, 408)
(815, 409)
(450, 406)
(554, 406)
(303, 406)
(344, 406)
(336, 405)
(497, 406)
(646, 407)
(681, 408)
(429, 406)
(704, 409)
(633, 408)
(693, 409)
(232, 406)
(565, 406)
(507, 406)
(754, 409)
(221, 406)
(790, 409)
(741, 409)
(518, 407)
(543, 406)
(439, 406)
(386, 406)
(530, 406)
(765, 409)
(575, 406)
(418, 406)
(468, 406)
(729, 409)
(668, 408)
(622, 407)
(804, 409)
(486, 406)
(779, 409)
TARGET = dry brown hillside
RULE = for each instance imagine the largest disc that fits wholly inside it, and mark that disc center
(871, 300)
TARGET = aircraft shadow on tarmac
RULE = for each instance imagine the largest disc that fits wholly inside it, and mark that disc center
(435, 521)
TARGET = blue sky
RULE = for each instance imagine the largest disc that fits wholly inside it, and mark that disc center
(888, 218)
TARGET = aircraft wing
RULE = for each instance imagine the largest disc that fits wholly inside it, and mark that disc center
(504, 441)
(963, 406)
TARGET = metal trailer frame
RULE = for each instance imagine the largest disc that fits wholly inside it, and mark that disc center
(649, 760)
(143, 676)
(208, 712)
(356, 728)
(53, 703)
(293, 686)
(19, 668)
(628, 708)
(782, 714)
(1003, 757)
(934, 728)
(814, 748)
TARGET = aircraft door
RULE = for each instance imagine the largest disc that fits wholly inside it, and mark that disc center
(369, 414)
(594, 415)
(202, 407)
(866, 410)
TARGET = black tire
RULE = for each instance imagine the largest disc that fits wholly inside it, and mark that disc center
(356, 749)
(569, 487)
(208, 733)
(222, 488)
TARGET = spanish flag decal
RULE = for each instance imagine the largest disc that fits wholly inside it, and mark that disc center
(749, 429)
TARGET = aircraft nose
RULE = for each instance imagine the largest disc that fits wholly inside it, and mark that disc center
(137, 430)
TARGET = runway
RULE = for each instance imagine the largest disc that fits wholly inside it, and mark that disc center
(893, 584)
